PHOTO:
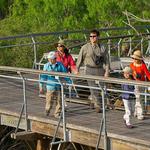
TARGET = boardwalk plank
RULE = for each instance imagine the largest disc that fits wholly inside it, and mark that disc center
(78, 116)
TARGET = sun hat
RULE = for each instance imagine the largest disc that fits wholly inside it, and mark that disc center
(61, 42)
(51, 55)
(137, 55)
(127, 70)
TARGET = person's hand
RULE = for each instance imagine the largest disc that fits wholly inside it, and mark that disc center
(106, 74)
(77, 73)
(41, 91)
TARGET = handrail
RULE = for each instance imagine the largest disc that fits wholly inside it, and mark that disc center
(85, 77)
(82, 42)
(67, 32)
(23, 72)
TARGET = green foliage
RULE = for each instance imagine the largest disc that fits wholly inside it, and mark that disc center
(57, 15)
(34, 16)
(4, 8)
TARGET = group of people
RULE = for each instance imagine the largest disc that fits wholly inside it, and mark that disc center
(58, 61)
(95, 58)
(93, 55)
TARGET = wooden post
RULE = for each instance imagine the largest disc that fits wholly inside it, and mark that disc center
(43, 144)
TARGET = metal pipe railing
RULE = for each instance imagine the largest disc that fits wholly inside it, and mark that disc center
(24, 99)
(104, 118)
(72, 32)
(83, 77)
(109, 39)
(34, 51)
(101, 88)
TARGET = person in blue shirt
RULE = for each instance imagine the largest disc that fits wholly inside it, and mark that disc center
(128, 98)
(52, 85)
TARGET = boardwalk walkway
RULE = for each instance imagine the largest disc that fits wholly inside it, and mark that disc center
(82, 122)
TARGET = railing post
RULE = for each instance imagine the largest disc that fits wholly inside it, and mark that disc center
(118, 46)
(148, 48)
(142, 45)
(34, 51)
(63, 112)
(103, 121)
(104, 118)
(145, 100)
(130, 43)
(109, 47)
(24, 99)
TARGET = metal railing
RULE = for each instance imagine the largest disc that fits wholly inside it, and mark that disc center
(102, 88)
(113, 42)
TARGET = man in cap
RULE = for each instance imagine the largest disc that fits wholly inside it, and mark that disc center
(52, 86)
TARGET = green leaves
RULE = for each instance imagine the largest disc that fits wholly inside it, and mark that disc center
(34, 16)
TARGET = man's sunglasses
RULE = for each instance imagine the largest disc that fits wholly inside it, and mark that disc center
(93, 36)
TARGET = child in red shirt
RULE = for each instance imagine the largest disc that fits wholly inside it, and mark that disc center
(140, 73)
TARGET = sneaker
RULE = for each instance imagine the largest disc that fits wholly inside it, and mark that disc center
(140, 117)
(57, 115)
(129, 126)
(98, 110)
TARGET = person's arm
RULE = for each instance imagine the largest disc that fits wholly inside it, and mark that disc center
(80, 59)
(63, 69)
(107, 63)
(43, 77)
(147, 73)
(72, 65)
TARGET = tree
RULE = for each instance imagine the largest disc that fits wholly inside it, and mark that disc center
(34, 16)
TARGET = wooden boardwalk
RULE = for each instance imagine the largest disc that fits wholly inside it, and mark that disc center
(82, 122)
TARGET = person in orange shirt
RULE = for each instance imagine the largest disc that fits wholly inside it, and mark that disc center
(140, 73)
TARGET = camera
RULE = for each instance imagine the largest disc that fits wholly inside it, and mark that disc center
(99, 60)
(138, 76)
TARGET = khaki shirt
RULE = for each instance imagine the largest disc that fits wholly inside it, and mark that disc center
(87, 56)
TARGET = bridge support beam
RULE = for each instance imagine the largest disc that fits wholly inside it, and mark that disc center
(24, 135)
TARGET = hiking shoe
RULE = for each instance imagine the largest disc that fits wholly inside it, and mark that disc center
(98, 110)
(129, 126)
(57, 115)
(140, 117)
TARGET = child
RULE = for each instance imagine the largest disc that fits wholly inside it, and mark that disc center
(140, 73)
(128, 98)
(53, 88)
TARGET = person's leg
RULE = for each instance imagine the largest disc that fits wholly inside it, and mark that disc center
(95, 94)
(88, 71)
(127, 114)
(58, 103)
(49, 101)
(138, 104)
(132, 106)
